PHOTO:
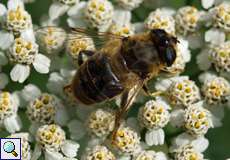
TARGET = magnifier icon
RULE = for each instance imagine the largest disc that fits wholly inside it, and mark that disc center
(9, 147)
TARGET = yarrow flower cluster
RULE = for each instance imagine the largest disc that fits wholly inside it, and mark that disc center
(169, 120)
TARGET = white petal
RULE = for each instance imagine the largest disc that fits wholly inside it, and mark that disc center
(56, 10)
(154, 137)
(37, 152)
(13, 124)
(215, 36)
(3, 80)
(77, 129)
(49, 155)
(41, 63)
(70, 148)
(200, 144)
(203, 61)
(3, 59)
(16, 98)
(61, 116)
(28, 35)
(55, 83)
(30, 92)
(20, 73)
(181, 140)
(77, 10)
(206, 76)
(195, 41)
(207, 3)
(72, 22)
(6, 39)
(2, 10)
(163, 84)
(122, 17)
(177, 118)
(13, 4)
(161, 156)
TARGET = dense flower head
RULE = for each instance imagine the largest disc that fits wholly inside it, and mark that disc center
(221, 16)
(42, 109)
(18, 19)
(50, 137)
(146, 155)
(98, 152)
(216, 90)
(154, 115)
(99, 13)
(23, 51)
(126, 140)
(51, 39)
(197, 120)
(161, 19)
(187, 19)
(220, 56)
(188, 152)
(78, 43)
(101, 122)
(7, 105)
(183, 92)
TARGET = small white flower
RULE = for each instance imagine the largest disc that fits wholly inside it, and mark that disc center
(188, 152)
(180, 91)
(43, 108)
(99, 14)
(51, 39)
(154, 114)
(101, 122)
(161, 19)
(52, 140)
(25, 146)
(129, 4)
(126, 141)
(216, 90)
(8, 112)
(16, 17)
(218, 55)
(220, 15)
(24, 52)
(197, 120)
(78, 43)
(187, 19)
(98, 152)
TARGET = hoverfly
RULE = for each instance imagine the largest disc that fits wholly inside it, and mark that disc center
(121, 67)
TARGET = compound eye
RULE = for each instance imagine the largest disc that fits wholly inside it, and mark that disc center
(170, 56)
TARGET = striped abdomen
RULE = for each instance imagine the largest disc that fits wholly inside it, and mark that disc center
(95, 81)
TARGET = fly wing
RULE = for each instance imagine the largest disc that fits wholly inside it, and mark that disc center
(75, 34)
